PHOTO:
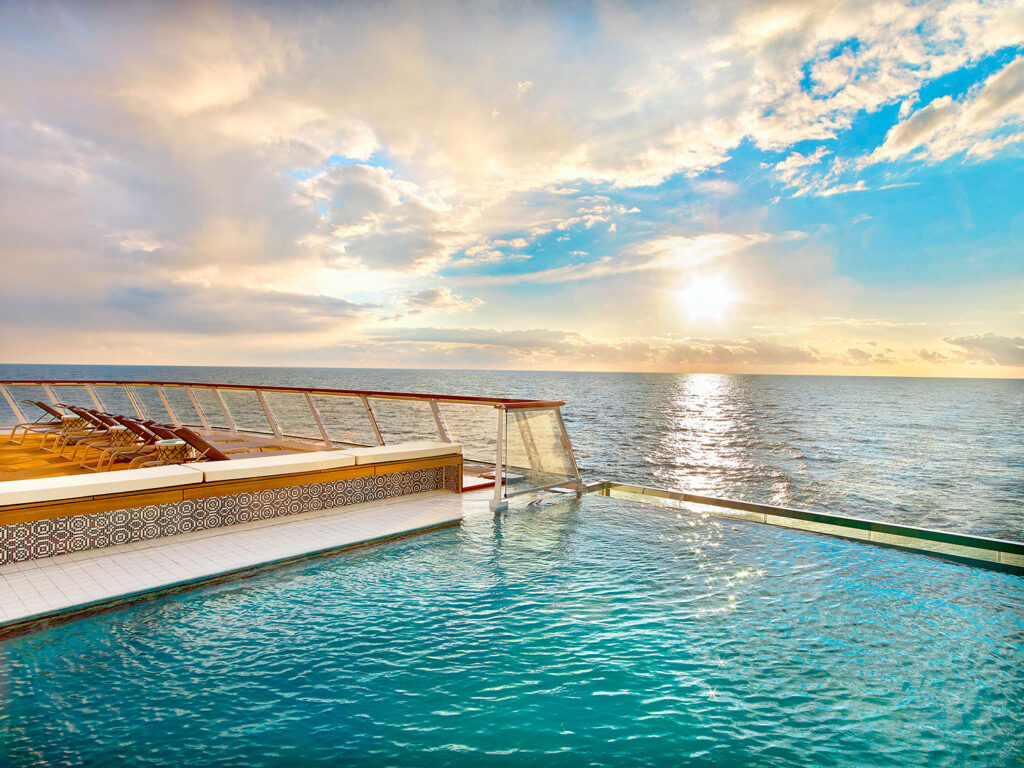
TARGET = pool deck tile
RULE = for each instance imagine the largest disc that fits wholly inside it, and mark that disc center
(38, 588)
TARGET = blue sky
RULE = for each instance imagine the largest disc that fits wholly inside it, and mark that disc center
(774, 187)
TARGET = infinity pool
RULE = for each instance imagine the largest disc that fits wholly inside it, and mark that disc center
(582, 632)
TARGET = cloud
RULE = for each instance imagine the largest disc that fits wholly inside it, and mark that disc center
(946, 127)
(989, 349)
(670, 252)
(930, 356)
(165, 307)
(436, 300)
(855, 356)
(792, 170)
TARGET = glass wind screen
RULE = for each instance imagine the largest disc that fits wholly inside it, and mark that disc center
(211, 407)
(245, 409)
(474, 427)
(73, 394)
(536, 451)
(292, 413)
(182, 406)
(345, 419)
(149, 401)
(8, 418)
(21, 392)
(404, 421)
(114, 399)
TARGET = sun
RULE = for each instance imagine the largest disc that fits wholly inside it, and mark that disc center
(706, 298)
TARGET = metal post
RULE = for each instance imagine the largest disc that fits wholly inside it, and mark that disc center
(198, 407)
(319, 421)
(49, 394)
(18, 415)
(224, 409)
(269, 414)
(373, 419)
(567, 444)
(499, 504)
(167, 405)
(95, 398)
(135, 403)
(442, 429)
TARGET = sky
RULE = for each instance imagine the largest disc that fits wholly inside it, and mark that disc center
(756, 187)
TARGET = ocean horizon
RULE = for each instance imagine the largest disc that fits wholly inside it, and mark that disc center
(942, 453)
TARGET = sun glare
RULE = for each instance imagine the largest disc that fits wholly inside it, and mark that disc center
(706, 298)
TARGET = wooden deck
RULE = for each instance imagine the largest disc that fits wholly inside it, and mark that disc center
(29, 461)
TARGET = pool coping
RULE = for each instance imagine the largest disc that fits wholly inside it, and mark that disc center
(979, 551)
(447, 510)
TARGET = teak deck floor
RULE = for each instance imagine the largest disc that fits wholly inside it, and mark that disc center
(28, 461)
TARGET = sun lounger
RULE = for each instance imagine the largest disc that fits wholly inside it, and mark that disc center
(101, 441)
(51, 424)
(143, 446)
(93, 428)
(207, 450)
(99, 432)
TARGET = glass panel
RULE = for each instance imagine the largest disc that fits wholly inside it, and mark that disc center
(150, 403)
(30, 392)
(291, 411)
(246, 410)
(183, 407)
(211, 408)
(403, 421)
(474, 427)
(73, 395)
(346, 419)
(115, 399)
(535, 455)
(7, 416)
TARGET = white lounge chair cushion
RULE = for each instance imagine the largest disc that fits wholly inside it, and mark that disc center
(46, 489)
(423, 449)
(268, 465)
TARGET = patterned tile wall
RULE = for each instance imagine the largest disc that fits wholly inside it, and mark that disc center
(57, 536)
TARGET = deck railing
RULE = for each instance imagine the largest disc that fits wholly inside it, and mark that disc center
(525, 440)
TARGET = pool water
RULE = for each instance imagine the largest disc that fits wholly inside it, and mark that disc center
(592, 632)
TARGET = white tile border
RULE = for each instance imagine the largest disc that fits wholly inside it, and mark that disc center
(36, 589)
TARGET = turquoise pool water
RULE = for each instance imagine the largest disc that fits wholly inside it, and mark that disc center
(576, 633)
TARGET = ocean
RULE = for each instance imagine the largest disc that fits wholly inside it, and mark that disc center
(938, 453)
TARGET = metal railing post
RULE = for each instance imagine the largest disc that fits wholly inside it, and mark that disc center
(95, 398)
(49, 394)
(224, 410)
(18, 415)
(373, 419)
(167, 405)
(135, 403)
(499, 504)
(274, 426)
(319, 421)
(567, 444)
(442, 428)
(198, 407)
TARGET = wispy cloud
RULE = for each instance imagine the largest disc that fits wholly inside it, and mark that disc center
(989, 118)
(670, 252)
(989, 348)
